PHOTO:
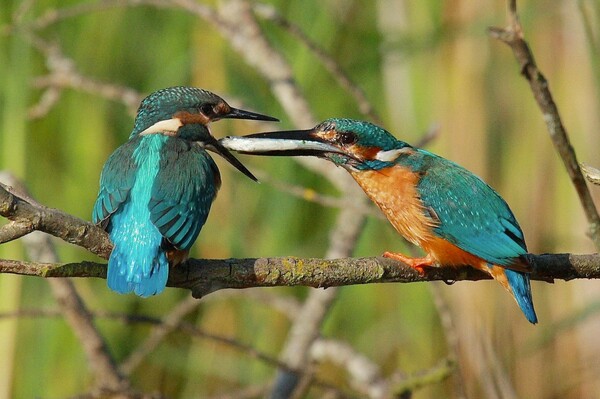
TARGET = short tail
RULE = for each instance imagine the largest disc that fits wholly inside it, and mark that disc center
(521, 291)
(144, 275)
(517, 283)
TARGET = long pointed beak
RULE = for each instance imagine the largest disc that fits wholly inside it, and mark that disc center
(241, 114)
(286, 143)
(216, 147)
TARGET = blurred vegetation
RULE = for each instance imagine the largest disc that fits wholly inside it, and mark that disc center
(420, 64)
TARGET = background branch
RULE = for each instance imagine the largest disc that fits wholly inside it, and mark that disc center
(513, 36)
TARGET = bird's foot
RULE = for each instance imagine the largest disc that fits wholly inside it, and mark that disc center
(419, 264)
(177, 256)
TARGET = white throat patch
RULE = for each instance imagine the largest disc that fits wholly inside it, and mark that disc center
(167, 127)
(391, 155)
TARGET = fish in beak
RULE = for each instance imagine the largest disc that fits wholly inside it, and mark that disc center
(282, 143)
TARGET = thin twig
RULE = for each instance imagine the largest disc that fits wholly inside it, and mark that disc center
(269, 13)
(158, 334)
(364, 375)
(415, 381)
(513, 36)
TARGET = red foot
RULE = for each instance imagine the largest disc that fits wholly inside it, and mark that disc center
(419, 264)
(177, 257)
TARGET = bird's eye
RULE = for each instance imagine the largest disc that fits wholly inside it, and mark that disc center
(347, 138)
(207, 109)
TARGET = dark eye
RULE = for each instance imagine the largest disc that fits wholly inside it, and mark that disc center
(347, 138)
(207, 109)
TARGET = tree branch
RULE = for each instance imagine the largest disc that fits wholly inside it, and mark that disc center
(203, 276)
(512, 35)
(52, 221)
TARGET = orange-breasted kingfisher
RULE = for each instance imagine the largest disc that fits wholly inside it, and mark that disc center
(453, 215)
(156, 190)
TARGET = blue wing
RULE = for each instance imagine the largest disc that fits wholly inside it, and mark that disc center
(182, 194)
(116, 181)
(471, 214)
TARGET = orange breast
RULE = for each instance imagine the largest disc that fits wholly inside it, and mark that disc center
(394, 191)
(448, 254)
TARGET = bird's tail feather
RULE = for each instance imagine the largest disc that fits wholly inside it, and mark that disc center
(144, 275)
(521, 290)
(517, 283)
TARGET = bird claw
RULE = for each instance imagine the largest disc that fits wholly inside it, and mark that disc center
(419, 264)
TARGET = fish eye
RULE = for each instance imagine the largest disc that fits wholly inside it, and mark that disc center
(347, 138)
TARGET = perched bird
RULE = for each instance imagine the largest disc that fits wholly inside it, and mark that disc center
(156, 189)
(453, 215)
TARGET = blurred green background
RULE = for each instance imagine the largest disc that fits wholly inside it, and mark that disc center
(420, 64)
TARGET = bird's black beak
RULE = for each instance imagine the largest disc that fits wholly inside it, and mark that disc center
(285, 143)
(215, 146)
(235, 113)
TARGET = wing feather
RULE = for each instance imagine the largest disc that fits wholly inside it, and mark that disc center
(116, 181)
(183, 192)
(471, 214)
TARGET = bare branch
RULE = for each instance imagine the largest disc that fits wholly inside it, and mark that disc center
(269, 13)
(513, 36)
(52, 221)
(423, 378)
(158, 334)
(203, 276)
(365, 376)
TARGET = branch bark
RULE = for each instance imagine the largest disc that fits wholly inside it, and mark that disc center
(203, 276)
(27, 212)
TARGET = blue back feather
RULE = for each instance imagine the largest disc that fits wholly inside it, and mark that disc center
(473, 217)
(154, 190)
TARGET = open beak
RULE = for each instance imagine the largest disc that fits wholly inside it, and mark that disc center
(286, 143)
(235, 113)
(215, 146)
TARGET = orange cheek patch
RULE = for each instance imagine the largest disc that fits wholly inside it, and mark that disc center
(188, 118)
(364, 152)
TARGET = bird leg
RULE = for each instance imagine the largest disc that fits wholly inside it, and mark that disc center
(177, 256)
(419, 264)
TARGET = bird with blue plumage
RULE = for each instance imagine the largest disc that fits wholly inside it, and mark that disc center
(453, 215)
(156, 190)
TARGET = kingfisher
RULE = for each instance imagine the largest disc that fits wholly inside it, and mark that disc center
(156, 190)
(453, 215)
